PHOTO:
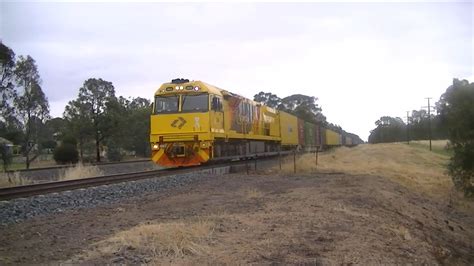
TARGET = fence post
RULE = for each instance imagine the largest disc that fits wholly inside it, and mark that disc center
(317, 151)
(279, 156)
(294, 160)
(255, 162)
(246, 159)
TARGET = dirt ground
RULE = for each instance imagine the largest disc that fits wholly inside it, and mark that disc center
(311, 218)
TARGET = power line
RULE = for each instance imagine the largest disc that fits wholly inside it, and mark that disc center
(408, 130)
(429, 119)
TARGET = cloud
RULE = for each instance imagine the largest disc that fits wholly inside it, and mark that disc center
(362, 60)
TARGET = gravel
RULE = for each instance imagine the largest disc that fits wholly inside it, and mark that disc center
(21, 209)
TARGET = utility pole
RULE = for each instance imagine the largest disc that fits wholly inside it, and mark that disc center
(408, 130)
(429, 119)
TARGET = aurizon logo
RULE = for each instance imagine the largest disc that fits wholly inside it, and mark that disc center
(179, 122)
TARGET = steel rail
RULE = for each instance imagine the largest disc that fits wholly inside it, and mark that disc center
(9, 193)
(58, 186)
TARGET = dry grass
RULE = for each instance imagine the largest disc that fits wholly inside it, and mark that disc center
(80, 171)
(252, 193)
(12, 180)
(410, 166)
(158, 240)
(441, 144)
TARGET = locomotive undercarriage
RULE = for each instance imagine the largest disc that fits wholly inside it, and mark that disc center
(243, 148)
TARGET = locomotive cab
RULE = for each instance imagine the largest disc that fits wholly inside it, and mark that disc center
(183, 116)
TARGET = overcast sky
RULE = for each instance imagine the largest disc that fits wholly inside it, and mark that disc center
(362, 60)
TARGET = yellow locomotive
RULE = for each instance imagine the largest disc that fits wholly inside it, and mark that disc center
(194, 122)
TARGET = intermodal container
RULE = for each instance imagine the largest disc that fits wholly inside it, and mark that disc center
(332, 138)
(289, 129)
(301, 141)
(317, 135)
(348, 141)
(309, 135)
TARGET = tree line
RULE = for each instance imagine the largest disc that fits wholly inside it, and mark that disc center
(97, 118)
(453, 119)
(395, 129)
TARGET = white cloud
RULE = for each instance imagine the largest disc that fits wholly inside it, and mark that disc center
(362, 60)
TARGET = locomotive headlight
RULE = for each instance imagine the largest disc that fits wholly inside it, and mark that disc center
(177, 88)
(156, 146)
(181, 87)
(196, 88)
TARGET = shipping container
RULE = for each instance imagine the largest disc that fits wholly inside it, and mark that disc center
(289, 129)
(309, 135)
(317, 135)
(332, 138)
(322, 131)
(301, 141)
(348, 141)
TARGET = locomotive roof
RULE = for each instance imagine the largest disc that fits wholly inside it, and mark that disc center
(173, 88)
(203, 87)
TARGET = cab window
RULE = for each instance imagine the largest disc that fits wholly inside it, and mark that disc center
(166, 104)
(195, 102)
(216, 104)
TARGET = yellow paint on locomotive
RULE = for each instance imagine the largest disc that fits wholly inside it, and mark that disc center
(183, 138)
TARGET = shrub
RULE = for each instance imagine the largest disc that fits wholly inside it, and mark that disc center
(70, 140)
(114, 154)
(5, 155)
(457, 110)
(66, 153)
(114, 151)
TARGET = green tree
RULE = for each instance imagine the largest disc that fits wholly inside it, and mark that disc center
(31, 104)
(131, 120)
(268, 99)
(456, 107)
(91, 111)
(78, 124)
(139, 111)
(304, 107)
(7, 87)
(389, 129)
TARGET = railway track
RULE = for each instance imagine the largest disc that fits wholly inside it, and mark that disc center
(58, 186)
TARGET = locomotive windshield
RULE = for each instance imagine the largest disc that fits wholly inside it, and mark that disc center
(195, 103)
(168, 104)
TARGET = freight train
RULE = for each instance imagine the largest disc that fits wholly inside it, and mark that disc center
(194, 122)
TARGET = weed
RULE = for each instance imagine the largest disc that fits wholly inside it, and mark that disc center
(80, 171)
(12, 179)
(252, 193)
(172, 239)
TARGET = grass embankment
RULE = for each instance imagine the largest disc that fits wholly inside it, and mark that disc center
(409, 165)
